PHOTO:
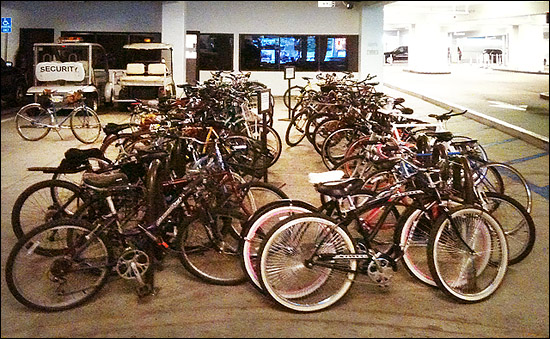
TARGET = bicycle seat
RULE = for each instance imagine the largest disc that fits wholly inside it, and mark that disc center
(112, 128)
(340, 189)
(104, 180)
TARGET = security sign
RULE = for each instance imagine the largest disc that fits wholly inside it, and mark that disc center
(52, 71)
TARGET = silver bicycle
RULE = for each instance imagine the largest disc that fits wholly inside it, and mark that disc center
(34, 121)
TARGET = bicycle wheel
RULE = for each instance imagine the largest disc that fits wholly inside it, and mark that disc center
(292, 96)
(31, 122)
(335, 146)
(208, 250)
(357, 166)
(323, 130)
(273, 142)
(512, 182)
(257, 194)
(258, 225)
(296, 130)
(41, 280)
(516, 222)
(468, 254)
(85, 124)
(297, 265)
(45, 201)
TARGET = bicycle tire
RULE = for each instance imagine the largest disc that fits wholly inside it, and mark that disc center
(31, 275)
(292, 282)
(295, 131)
(517, 223)
(29, 118)
(292, 92)
(466, 275)
(258, 225)
(85, 125)
(40, 202)
(214, 263)
(323, 130)
(335, 146)
(513, 183)
(259, 193)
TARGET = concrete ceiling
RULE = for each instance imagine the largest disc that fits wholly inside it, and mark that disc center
(463, 15)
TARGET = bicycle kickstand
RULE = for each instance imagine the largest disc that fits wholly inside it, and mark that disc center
(57, 130)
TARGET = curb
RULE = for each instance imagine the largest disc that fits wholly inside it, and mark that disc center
(534, 139)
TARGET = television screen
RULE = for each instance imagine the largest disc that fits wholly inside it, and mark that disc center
(336, 49)
(290, 50)
(268, 56)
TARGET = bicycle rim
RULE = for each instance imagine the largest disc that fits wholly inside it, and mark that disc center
(30, 122)
(463, 275)
(85, 125)
(287, 278)
(40, 279)
(212, 259)
(517, 224)
(256, 232)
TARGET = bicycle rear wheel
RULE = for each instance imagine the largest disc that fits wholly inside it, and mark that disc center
(292, 96)
(42, 280)
(468, 254)
(85, 125)
(297, 266)
(31, 122)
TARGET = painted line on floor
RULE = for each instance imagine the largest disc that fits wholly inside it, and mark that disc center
(515, 161)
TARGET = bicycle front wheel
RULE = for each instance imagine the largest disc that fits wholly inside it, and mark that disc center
(517, 223)
(45, 201)
(85, 125)
(40, 279)
(256, 228)
(32, 122)
(299, 265)
(296, 130)
(468, 254)
(292, 96)
(209, 250)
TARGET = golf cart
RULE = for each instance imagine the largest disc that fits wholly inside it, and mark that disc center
(69, 66)
(148, 74)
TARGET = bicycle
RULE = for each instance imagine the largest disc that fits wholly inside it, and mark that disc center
(259, 224)
(34, 121)
(309, 261)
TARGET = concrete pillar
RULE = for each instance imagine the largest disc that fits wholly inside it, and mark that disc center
(428, 51)
(527, 48)
(173, 32)
(371, 48)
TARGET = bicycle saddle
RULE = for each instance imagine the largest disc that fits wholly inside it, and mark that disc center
(104, 180)
(340, 189)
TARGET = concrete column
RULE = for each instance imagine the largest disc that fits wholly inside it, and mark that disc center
(371, 48)
(173, 32)
(428, 48)
(527, 48)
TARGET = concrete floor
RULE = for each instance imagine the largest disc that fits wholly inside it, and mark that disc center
(187, 307)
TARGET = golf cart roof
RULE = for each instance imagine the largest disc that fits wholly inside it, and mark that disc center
(148, 46)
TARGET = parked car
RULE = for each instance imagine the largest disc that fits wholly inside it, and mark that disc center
(493, 55)
(14, 84)
(400, 53)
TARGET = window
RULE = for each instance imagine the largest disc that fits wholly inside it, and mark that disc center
(305, 52)
(215, 52)
(113, 42)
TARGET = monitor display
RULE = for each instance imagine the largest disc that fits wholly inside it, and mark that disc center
(267, 56)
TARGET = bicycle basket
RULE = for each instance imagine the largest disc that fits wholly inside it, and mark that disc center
(74, 97)
(44, 100)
